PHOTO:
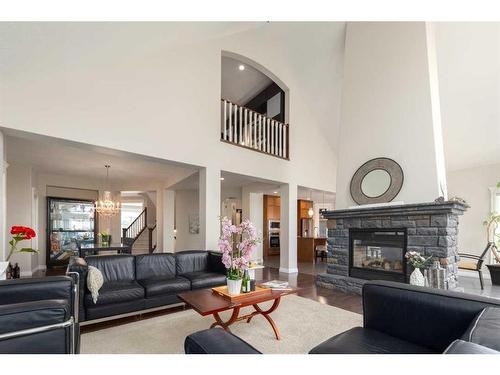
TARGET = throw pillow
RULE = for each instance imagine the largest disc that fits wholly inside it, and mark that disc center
(94, 282)
(485, 329)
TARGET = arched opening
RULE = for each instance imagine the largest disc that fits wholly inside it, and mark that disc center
(254, 106)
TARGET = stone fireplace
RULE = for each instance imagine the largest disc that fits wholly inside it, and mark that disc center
(369, 243)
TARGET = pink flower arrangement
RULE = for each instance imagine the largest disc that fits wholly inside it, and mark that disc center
(237, 244)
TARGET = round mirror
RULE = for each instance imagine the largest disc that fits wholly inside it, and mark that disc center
(375, 183)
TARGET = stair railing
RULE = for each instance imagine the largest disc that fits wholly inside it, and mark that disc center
(134, 230)
(152, 247)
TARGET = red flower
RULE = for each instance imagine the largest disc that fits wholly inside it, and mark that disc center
(25, 232)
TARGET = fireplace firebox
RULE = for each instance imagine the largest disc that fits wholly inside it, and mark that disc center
(377, 254)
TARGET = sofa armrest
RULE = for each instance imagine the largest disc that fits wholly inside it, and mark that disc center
(216, 341)
(27, 315)
(465, 347)
(35, 289)
(423, 316)
(78, 269)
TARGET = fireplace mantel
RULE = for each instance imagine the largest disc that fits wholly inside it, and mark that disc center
(451, 207)
(431, 229)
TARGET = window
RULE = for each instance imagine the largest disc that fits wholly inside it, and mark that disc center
(495, 207)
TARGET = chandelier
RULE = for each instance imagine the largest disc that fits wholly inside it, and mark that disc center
(106, 206)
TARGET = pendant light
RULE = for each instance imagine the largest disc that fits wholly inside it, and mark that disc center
(310, 212)
(106, 206)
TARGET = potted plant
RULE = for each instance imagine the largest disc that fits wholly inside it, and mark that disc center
(105, 238)
(19, 233)
(237, 244)
(418, 262)
(493, 238)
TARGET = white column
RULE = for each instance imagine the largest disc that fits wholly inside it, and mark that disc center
(210, 204)
(3, 197)
(288, 233)
(168, 221)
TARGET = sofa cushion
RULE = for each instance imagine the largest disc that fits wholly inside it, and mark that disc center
(152, 266)
(367, 341)
(160, 286)
(215, 263)
(191, 261)
(485, 329)
(116, 292)
(465, 347)
(201, 280)
(114, 267)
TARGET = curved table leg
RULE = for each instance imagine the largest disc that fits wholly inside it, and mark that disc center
(266, 313)
(225, 325)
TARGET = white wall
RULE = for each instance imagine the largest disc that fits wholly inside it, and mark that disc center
(256, 204)
(154, 89)
(19, 192)
(473, 185)
(389, 108)
(186, 203)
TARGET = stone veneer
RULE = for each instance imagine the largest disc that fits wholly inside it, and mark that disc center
(432, 229)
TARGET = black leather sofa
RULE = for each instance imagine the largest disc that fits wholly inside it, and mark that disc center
(137, 282)
(37, 316)
(397, 319)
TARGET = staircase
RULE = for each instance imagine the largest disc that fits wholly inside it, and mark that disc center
(139, 236)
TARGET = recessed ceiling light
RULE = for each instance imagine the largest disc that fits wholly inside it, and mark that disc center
(275, 192)
(222, 178)
(241, 67)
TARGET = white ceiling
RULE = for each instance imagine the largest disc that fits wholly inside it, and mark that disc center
(48, 155)
(468, 56)
(239, 86)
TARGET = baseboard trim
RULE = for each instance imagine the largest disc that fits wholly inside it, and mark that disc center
(288, 270)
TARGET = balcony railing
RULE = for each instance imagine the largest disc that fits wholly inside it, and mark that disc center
(246, 128)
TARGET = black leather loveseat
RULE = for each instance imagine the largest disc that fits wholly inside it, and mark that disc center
(37, 316)
(397, 319)
(138, 282)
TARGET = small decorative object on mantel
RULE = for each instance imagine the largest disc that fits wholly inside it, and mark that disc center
(418, 262)
(436, 276)
(237, 243)
(19, 233)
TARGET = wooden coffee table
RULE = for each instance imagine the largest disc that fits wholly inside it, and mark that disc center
(206, 302)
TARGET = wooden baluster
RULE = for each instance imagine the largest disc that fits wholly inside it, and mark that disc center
(272, 137)
(260, 133)
(280, 129)
(224, 130)
(255, 131)
(240, 126)
(245, 127)
(231, 122)
(285, 143)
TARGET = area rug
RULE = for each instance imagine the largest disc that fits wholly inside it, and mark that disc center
(303, 324)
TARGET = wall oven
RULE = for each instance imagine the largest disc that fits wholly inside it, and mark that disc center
(274, 240)
(274, 225)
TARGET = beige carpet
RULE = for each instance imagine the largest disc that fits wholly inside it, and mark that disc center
(303, 324)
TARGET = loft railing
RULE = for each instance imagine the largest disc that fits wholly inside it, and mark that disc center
(246, 128)
(134, 230)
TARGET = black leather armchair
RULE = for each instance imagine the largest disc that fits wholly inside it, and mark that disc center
(397, 319)
(37, 316)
